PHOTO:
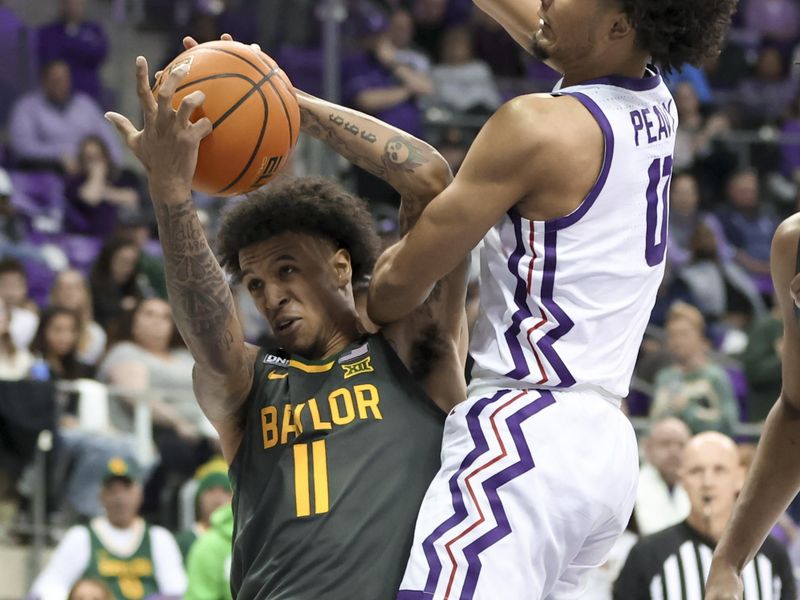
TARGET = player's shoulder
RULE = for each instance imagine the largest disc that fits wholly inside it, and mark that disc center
(789, 229)
(545, 120)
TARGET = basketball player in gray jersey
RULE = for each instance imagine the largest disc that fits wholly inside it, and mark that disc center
(334, 434)
(774, 478)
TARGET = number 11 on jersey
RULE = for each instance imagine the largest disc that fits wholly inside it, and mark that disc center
(303, 475)
(659, 175)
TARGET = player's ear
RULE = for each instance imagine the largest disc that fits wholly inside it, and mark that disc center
(621, 26)
(342, 267)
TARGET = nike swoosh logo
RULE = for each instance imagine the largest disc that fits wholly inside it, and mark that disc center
(276, 375)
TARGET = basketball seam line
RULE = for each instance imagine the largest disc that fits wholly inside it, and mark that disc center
(242, 58)
(258, 142)
(243, 99)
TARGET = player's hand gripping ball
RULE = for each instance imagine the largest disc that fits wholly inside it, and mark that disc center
(253, 109)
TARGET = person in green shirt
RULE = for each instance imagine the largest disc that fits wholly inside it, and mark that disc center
(762, 365)
(209, 563)
(694, 389)
(213, 491)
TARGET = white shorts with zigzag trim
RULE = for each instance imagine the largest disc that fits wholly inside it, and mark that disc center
(534, 488)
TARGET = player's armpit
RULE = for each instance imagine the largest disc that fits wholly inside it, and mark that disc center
(223, 400)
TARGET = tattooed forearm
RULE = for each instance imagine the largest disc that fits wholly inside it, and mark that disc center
(201, 300)
(386, 152)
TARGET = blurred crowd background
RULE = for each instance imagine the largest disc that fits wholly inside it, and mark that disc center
(92, 370)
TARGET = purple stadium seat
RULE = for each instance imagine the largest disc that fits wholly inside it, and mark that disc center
(40, 197)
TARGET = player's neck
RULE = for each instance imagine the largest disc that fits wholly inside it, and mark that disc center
(344, 335)
(631, 68)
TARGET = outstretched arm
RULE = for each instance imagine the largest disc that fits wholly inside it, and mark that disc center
(520, 18)
(774, 478)
(199, 295)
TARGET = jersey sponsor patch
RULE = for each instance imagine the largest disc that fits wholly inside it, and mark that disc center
(278, 361)
(358, 368)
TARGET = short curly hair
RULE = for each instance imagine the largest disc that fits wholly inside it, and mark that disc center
(312, 205)
(676, 32)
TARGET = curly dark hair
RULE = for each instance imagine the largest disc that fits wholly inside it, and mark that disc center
(312, 205)
(676, 32)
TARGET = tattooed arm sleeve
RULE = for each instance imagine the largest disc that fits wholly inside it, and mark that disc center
(203, 306)
(412, 167)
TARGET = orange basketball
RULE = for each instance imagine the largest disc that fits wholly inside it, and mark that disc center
(252, 106)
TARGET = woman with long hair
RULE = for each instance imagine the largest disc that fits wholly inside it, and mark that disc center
(114, 281)
(71, 290)
(150, 357)
(56, 342)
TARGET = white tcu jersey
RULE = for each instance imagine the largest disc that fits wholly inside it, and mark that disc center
(566, 302)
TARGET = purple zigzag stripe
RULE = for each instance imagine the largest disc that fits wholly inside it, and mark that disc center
(491, 486)
(546, 342)
(521, 369)
(459, 510)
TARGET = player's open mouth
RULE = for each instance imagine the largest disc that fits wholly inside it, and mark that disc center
(285, 325)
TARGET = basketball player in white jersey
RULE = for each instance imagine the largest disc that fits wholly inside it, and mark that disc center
(774, 478)
(569, 193)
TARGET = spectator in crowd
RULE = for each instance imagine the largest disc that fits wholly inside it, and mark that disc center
(377, 83)
(697, 78)
(401, 35)
(99, 191)
(762, 364)
(749, 226)
(80, 43)
(114, 281)
(765, 97)
(430, 17)
(694, 389)
(773, 20)
(133, 558)
(150, 357)
(56, 342)
(209, 564)
(673, 564)
(790, 151)
(71, 290)
(213, 491)
(14, 292)
(462, 83)
(14, 362)
(720, 288)
(47, 125)
(660, 500)
(136, 228)
(90, 589)
(12, 229)
(685, 215)
(696, 132)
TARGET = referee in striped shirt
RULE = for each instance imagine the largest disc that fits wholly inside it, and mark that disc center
(673, 564)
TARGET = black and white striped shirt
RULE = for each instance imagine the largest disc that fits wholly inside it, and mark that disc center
(673, 565)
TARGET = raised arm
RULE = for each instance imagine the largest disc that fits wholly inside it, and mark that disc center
(774, 478)
(202, 303)
(520, 18)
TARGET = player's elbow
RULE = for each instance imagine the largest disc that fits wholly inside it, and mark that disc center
(433, 178)
(391, 294)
